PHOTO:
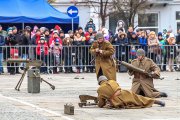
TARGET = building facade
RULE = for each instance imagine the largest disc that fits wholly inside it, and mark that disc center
(163, 14)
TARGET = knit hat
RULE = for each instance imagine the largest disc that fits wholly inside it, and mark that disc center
(10, 28)
(56, 31)
(159, 34)
(140, 52)
(28, 28)
(57, 27)
(164, 30)
(102, 78)
(42, 37)
(14, 28)
(133, 33)
(90, 20)
(99, 35)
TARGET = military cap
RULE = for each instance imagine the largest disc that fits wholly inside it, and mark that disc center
(140, 52)
(102, 78)
(99, 35)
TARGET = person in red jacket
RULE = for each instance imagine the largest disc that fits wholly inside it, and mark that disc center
(55, 37)
(35, 39)
(42, 53)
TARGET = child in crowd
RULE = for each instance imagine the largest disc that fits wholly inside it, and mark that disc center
(162, 56)
(67, 53)
(153, 44)
(42, 53)
(56, 49)
(171, 51)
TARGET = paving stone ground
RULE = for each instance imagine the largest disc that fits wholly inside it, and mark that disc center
(49, 104)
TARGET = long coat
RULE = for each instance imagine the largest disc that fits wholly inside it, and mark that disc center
(124, 99)
(104, 61)
(142, 82)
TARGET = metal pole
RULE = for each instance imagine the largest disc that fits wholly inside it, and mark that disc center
(72, 25)
(22, 26)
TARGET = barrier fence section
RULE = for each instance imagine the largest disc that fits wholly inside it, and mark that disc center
(79, 57)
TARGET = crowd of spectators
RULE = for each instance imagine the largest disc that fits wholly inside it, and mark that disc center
(57, 49)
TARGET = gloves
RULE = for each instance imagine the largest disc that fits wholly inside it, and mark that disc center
(153, 75)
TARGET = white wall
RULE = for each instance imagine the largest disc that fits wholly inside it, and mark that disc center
(167, 16)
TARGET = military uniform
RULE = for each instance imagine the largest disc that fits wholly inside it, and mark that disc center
(143, 84)
(111, 91)
(104, 63)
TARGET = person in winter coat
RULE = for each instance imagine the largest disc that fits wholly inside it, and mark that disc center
(171, 51)
(54, 37)
(12, 50)
(103, 50)
(121, 43)
(153, 44)
(67, 53)
(111, 95)
(24, 46)
(2, 43)
(143, 84)
(89, 38)
(34, 31)
(163, 53)
(36, 38)
(90, 24)
(42, 53)
(56, 49)
(143, 40)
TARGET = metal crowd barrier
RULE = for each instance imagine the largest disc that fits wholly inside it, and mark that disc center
(79, 57)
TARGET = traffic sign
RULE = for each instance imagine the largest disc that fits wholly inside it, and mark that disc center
(72, 11)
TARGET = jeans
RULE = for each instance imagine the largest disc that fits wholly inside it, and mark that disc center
(24, 56)
(1, 59)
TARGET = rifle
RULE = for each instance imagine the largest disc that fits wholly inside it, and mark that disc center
(136, 69)
(84, 100)
(35, 63)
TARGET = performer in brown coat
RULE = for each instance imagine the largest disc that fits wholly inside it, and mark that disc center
(110, 91)
(143, 84)
(104, 62)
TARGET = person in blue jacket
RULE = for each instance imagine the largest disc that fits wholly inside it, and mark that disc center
(2, 43)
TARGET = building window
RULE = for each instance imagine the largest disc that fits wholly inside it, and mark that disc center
(177, 15)
(148, 21)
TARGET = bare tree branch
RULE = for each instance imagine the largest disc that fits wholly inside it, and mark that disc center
(130, 8)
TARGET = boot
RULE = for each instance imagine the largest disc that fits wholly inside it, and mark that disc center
(161, 103)
(55, 70)
(163, 94)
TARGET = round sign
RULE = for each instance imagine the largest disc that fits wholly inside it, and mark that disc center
(72, 11)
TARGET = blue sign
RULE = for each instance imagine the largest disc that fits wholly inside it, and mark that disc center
(72, 11)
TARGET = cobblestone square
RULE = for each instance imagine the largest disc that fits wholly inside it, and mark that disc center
(49, 104)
